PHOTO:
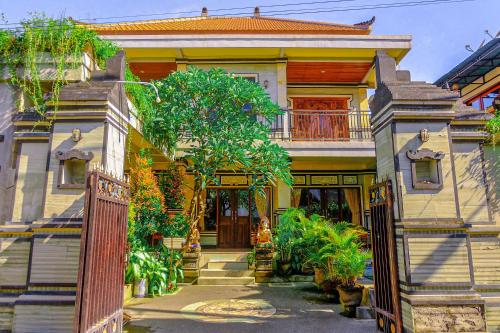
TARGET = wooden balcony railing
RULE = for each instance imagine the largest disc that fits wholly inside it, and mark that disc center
(322, 125)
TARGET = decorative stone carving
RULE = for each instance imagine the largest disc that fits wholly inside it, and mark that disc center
(424, 154)
(426, 170)
(74, 154)
(424, 135)
(76, 134)
(73, 168)
(449, 318)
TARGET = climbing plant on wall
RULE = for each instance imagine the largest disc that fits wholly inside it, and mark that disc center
(60, 42)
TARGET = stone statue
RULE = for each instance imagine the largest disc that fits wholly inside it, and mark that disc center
(264, 235)
(195, 241)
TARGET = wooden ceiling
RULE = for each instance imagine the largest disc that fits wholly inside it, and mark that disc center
(147, 71)
(327, 72)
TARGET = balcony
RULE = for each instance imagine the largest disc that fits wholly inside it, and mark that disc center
(322, 125)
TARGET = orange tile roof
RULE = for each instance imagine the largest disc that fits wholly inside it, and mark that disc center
(230, 25)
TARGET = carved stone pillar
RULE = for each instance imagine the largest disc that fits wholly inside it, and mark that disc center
(429, 144)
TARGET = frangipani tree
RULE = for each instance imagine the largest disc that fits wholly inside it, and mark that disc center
(219, 122)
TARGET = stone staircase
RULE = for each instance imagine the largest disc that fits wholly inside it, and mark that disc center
(225, 268)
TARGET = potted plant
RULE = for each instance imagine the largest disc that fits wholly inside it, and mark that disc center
(345, 261)
(350, 264)
(137, 271)
(251, 259)
(289, 232)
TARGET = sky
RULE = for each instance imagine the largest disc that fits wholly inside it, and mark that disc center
(440, 31)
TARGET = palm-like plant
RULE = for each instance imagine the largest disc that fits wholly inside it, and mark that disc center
(343, 255)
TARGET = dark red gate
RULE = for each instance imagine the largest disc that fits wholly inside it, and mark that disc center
(99, 300)
(385, 266)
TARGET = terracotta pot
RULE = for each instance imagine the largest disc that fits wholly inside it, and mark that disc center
(319, 276)
(350, 298)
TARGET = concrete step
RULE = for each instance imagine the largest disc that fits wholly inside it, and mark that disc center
(230, 256)
(221, 281)
(226, 273)
(227, 264)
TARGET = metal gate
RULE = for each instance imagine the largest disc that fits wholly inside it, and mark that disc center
(385, 267)
(99, 299)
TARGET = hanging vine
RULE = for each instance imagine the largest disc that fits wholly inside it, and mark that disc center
(57, 42)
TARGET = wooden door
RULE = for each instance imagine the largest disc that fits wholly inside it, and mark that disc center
(242, 219)
(323, 118)
(233, 219)
(225, 218)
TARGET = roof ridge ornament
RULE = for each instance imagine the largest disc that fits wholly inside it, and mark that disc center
(256, 12)
(367, 23)
(204, 12)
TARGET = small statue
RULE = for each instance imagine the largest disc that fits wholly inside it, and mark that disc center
(264, 235)
(195, 241)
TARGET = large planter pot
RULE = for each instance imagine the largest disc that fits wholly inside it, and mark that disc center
(127, 292)
(140, 288)
(319, 276)
(350, 298)
(174, 242)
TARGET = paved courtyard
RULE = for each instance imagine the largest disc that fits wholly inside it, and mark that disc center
(259, 308)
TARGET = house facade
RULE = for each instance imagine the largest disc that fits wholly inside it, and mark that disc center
(318, 73)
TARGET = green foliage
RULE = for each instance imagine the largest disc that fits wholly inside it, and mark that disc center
(140, 96)
(213, 115)
(343, 254)
(493, 126)
(251, 257)
(156, 267)
(176, 226)
(321, 243)
(62, 40)
(171, 185)
(289, 235)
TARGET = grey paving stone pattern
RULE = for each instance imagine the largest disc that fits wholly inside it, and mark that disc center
(287, 307)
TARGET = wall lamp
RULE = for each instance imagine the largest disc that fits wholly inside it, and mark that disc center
(158, 100)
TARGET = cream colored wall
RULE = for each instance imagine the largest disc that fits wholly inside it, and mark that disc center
(66, 203)
(385, 160)
(265, 72)
(7, 173)
(425, 203)
(471, 186)
(492, 166)
(55, 260)
(14, 259)
(115, 149)
(30, 183)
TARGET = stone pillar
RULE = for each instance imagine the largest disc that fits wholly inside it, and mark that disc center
(282, 96)
(7, 161)
(88, 126)
(429, 144)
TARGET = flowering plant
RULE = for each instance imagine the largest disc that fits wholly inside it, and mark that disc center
(146, 198)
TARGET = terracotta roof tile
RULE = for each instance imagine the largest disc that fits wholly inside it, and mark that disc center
(230, 25)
